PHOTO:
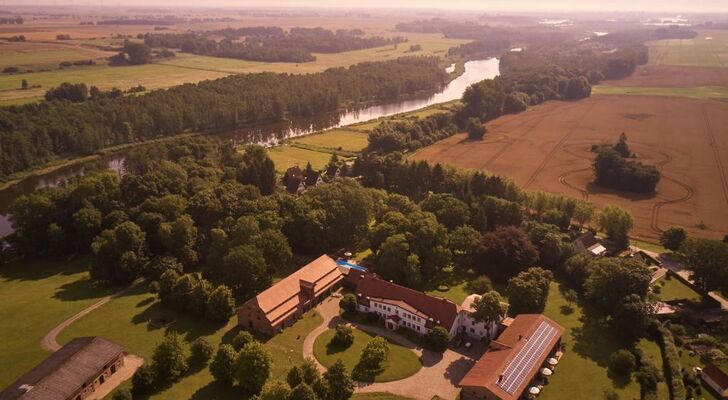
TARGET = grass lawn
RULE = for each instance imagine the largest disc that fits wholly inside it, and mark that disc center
(287, 156)
(401, 363)
(652, 350)
(675, 289)
(456, 283)
(336, 139)
(699, 51)
(649, 246)
(36, 295)
(378, 396)
(36, 59)
(128, 321)
(700, 93)
(583, 369)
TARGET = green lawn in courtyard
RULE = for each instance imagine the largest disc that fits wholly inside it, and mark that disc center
(583, 368)
(675, 289)
(35, 296)
(401, 363)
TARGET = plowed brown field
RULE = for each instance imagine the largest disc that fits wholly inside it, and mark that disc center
(548, 148)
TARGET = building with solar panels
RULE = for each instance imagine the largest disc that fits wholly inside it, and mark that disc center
(514, 360)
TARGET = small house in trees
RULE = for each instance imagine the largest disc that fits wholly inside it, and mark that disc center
(293, 180)
(313, 179)
(588, 243)
(716, 379)
(333, 171)
(73, 372)
(282, 304)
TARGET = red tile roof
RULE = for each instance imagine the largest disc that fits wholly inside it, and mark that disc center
(718, 376)
(494, 363)
(282, 299)
(437, 308)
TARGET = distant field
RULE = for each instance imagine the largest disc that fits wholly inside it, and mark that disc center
(709, 48)
(336, 139)
(287, 156)
(184, 68)
(701, 92)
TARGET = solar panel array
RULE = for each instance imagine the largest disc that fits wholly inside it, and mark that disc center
(522, 363)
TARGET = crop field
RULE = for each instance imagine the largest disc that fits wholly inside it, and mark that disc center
(336, 139)
(700, 92)
(548, 148)
(708, 49)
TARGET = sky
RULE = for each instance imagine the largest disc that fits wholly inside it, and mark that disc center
(512, 5)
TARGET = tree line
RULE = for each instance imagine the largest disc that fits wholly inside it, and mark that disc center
(613, 169)
(268, 44)
(33, 134)
(11, 20)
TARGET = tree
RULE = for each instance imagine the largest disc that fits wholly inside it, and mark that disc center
(73, 92)
(375, 352)
(144, 380)
(294, 376)
(476, 130)
(622, 363)
(505, 252)
(622, 147)
(707, 260)
(489, 308)
(438, 338)
(577, 269)
(245, 270)
(584, 212)
(393, 262)
(241, 339)
(24, 84)
(464, 241)
(253, 366)
(613, 279)
(122, 394)
(221, 304)
(578, 88)
(180, 238)
(617, 223)
(673, 238)
(571, 296)
(516, 102)
(528, 291)
(302, 392)
(631, 317)
(481, 284)
(119, 255)
(138, 53)
(309, 372)
(648, 375)
(275, 390)
(449, 210)
(348, 303)
(222, 366)
(344, 336)
(341, 384)
(201, 351)
(170, 357)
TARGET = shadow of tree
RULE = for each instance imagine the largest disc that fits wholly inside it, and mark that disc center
(83, 289)
(457, 369)
(217, 391)
(32, 269)
(364, 374)
(158, 316)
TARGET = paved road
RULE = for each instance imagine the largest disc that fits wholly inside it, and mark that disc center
(50, 342)
(439, 375)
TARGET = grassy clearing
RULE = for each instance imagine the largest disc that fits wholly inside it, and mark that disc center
(286, 156)
(133, 321)
(401, 363)
(652, 350)
(656, 248)
(675, 289)
(36, 295)
(699, 51)
(49, 58)
(336, 139)
(700, 93)
(583, 369)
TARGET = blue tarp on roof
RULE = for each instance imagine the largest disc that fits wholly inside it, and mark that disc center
(347, 264)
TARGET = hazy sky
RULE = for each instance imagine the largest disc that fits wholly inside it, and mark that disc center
(521, 5)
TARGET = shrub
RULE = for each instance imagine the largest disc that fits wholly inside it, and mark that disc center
(438, 338)
(648, 375)
(144, 380)
(122, 394)
(170, 357)
(241, 339)
(480, 285)
(348, 303)
(476, 129)
(222, 366)
(673, 238)
(622, 363)
(201, 351)
(375, 353)
(344, 336)
(252, 367)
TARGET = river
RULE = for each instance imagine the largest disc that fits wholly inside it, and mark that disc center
(267, 135)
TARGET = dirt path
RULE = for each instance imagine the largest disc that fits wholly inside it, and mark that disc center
(439, 375)
(50, 342)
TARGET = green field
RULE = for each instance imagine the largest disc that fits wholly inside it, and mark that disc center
(699, 51)
(39, 59)
(186, 68)
(401, 363)
(287, 156)
(583, 368)
(700, 92)
(336, 139)
(35, 297)
(132, 320)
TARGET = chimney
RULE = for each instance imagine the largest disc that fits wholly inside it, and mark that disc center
(520, 337)
(500, 378)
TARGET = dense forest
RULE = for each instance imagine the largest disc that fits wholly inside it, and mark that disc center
(270, 44)
(33, 134)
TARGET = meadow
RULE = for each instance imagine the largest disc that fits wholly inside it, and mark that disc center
(709, 48)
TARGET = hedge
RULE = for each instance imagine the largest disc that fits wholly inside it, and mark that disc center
(673, 367)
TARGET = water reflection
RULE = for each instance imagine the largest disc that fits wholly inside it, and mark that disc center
(268, 135)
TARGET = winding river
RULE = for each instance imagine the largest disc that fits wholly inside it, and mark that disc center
(268, 135)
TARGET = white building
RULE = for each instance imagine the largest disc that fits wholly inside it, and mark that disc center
(401, 307)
